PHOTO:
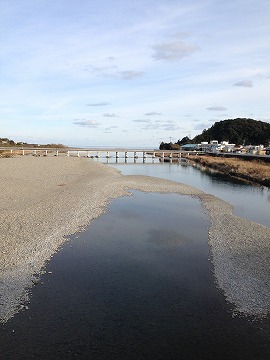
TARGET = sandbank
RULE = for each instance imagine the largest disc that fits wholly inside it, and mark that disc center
(45, 199)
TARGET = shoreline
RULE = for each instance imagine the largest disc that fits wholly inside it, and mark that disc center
(46, 199)
(253, 171)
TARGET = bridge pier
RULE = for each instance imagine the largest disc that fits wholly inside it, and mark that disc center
(144, 156)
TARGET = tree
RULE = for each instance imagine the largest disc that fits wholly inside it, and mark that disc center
(184, 141)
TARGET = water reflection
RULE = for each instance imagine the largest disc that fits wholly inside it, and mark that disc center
(137, 284)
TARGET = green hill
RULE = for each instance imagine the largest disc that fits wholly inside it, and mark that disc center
(237, 131)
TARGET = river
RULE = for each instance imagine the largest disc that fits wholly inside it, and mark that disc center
(250, 201)
(138, 283)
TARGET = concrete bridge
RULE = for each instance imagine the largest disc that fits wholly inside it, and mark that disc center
(116, 153)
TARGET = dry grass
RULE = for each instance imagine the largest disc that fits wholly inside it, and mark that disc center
(254, 170)
(6, 154)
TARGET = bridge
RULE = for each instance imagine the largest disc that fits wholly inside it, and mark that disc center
(116, 153)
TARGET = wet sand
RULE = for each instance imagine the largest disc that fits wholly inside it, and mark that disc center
(47, 198)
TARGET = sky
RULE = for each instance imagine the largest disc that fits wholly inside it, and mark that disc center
(130, 73)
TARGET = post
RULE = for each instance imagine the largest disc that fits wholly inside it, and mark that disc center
(78, 153)
(144, 157)
(46, 152)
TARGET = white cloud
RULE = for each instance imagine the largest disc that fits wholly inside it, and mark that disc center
(99, 104)
(153, 113)
(130, 75)
(173, 51)
(216, 108)
(142, 121)
(86, 123)
(244, 83)
(112, 115)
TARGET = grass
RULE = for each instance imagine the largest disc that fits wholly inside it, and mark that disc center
(251, 170)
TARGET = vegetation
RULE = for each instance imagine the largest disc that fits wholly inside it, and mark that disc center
(236, 131)
(169, 146)
(5, 142)
(254, 171)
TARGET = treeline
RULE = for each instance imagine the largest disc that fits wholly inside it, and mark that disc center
(7, 142)
(240, 131)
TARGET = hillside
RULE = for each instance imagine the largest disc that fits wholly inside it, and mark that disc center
(237, 131)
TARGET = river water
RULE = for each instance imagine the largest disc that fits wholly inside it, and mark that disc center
(250, 201)
(138, 283)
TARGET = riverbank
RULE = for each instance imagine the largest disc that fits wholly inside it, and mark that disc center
(252, 171)
(45, 199)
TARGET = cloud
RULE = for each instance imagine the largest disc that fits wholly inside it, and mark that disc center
(201, 126)
(110, 115)
(244, 83)
(216, 108)
(86, 123)
(152, 113)
(167, 125)
(142, 121)
(129, 75)
(99, 104)
(173, 51)
(170, 126)
(111, 127)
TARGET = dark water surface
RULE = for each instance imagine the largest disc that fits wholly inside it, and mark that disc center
(137, 284)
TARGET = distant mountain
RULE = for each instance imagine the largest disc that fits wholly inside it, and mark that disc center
(237, 131)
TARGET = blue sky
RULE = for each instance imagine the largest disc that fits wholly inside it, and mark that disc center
(130, 73)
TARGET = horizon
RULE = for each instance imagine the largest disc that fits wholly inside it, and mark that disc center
(129, 74)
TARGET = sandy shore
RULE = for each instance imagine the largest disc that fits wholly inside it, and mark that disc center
(44, 199)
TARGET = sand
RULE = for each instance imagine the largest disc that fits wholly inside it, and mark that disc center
(45, 199)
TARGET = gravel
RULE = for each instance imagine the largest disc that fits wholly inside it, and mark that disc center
(44, 199)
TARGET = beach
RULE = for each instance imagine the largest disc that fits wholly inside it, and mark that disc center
(46, 199)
